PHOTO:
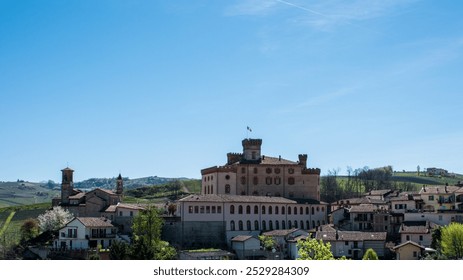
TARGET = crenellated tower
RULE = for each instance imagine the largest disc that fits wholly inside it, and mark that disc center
(252, 149)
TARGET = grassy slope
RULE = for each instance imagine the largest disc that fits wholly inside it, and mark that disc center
(23, 193)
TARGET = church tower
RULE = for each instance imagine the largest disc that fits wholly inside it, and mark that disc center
(120, 185)
(67, 185)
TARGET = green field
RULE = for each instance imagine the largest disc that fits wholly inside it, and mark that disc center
(24, 193)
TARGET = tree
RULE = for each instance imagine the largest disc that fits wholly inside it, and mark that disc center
(452, 241)
(313, 249)
(370, 254)
(146, 239)
(119, 250)
(267, 242)
(54, 219)
(29, 229)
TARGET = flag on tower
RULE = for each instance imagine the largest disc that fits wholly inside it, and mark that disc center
(249, 129)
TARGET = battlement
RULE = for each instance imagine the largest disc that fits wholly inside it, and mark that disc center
(234, 157)
(251, 142)
(312, 171)
(303, 160)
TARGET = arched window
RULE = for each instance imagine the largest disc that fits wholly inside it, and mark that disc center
(268, 180)
(301, 224)
(295, 223)
(255, 170)
(232, 209)
(232, 225)
(282, 210)
(248, 225)
(289, 225)
(227, 189)
(276, 210)
(277, 225)
(240, 209)
(313, 210)
(289, 210)
(318, 209)
(277, 180)
(301, 210)
(307, 224)
(263, 209)
(313, 224)
(270, 210)
(256, 209)
(318, 223)
(283, 224)
(240, 225)
(270, 225)
(307, 210)
(256, 225)
(295, 210)
(264, 226)
(248, 209)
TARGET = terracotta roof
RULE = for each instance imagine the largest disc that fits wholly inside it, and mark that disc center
(94, 222)
(363, 208)
(77, 196)
(274, 160)
(236, 198)
(378, 192)
(419, 227)
(102, 190)
(349, 235)
(281, 232)
(111, 209)
(439, 189)
(242, 238)
(408, 243)
(358, 200)
(130, 206)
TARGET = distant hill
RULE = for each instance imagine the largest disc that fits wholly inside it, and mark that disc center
(25, 193)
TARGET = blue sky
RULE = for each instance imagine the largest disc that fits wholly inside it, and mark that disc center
(167, 88)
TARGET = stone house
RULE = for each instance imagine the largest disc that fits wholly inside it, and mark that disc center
(409, 251)
(246, 247)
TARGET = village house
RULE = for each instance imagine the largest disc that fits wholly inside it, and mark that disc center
(409, 251)
(419, 232)
(246, 247)
(85, 233)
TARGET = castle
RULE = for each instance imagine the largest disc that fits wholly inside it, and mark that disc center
(251, 173)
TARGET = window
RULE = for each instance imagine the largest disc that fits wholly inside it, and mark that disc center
(313, 210)
(307, 210)
(255, 180)
(301, 211)
(385, 218)
(268, 170)
(301, 224)
(270, 210)
(243, 180)
(248, 209)
(243, 170)
(289, 210)
(291, 170)
(248, 225)
(219, 209)
(240, 225)
(270, 225)
(277, 180)
(421, 237)
(268, 180)
(431, 197)
(415, 254)
(240, 209)
(277, 170)
(295, 210)
(208, 209)
(120, 213)
(283, 210)
(291, 181)
(255, 170)
(201, 209)
(256, 225)
(196, 209)
(256, 209)
(232, 209)
(283, 225)
(232, 225)
(276, 210)
(254, 155)
(263, 209)
(408, 237)
(190, 209)
(227, 189)
(289, 224)
(307, 224)
(264, 226)
(277, 224)
(227, 177)
(131, 213)
(213, 209)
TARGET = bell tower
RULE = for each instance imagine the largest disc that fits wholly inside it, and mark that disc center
(252, 149)
(120, 185)
(67, 184)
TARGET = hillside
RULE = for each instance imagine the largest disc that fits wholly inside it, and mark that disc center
(21, 193)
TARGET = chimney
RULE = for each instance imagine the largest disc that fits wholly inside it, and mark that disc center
(279, 158)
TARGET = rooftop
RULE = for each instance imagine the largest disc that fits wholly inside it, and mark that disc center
(236, 198)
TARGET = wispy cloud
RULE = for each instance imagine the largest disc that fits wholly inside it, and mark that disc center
(249, 8)
(322, 14)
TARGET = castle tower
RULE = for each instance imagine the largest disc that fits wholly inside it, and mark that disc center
(120, 185)
(252, 149)
(67, 184)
